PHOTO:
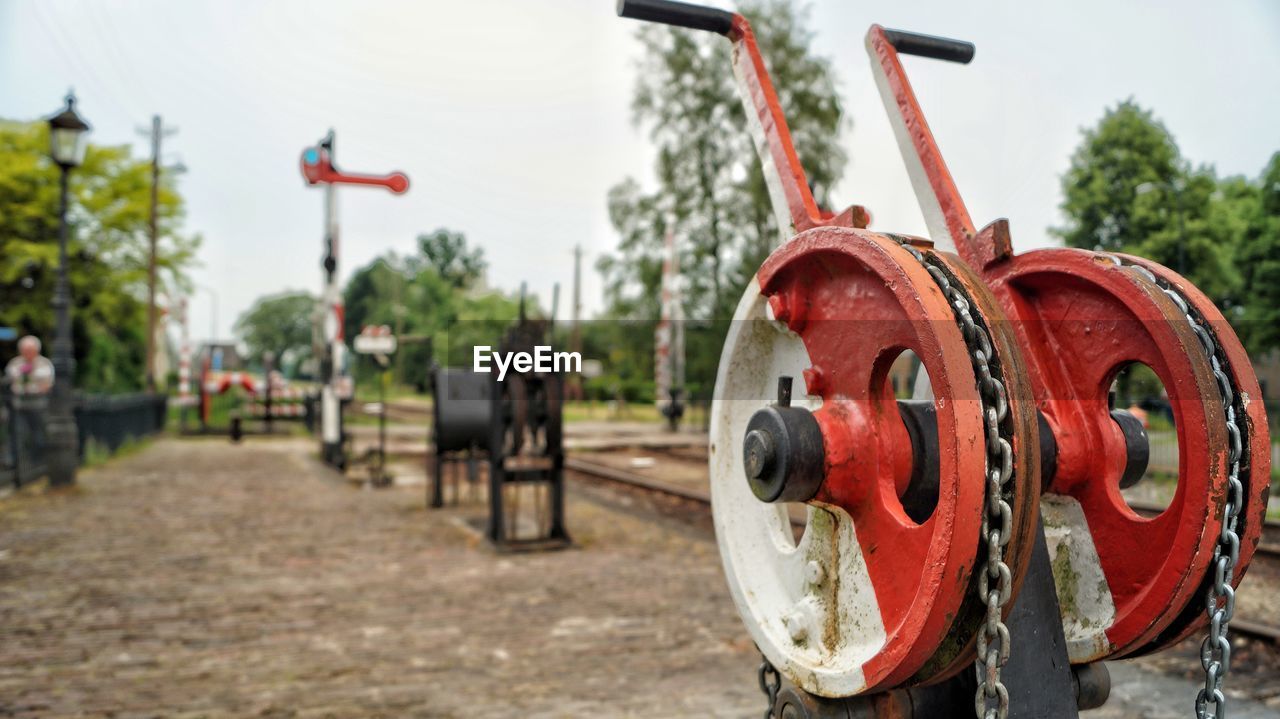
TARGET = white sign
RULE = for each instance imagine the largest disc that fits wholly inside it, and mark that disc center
(375, 341)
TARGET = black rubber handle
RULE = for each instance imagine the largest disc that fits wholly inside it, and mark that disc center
(680, 14)
(938, 48)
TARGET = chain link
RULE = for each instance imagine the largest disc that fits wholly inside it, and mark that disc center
(770, 684)
(1215, 651)
(995, 583)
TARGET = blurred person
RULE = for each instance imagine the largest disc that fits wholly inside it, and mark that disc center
(30, 379)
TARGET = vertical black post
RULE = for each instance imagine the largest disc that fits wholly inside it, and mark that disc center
(473, 475)
(557, 498)
(497, 456)
(437, 481)
(382, 426)
(63, 436)
(555, 439)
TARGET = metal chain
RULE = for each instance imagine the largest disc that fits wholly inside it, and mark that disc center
(770, 684)
(996, 583)
(1215, 651)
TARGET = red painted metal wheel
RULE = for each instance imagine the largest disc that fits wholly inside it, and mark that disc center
(1254, 469)
(870, 596)
(1124, 579)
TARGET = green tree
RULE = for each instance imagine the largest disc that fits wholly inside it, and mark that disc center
(280, 324)
(1130, 190)
(447, 252)
(434, 294)
(370, 296)
(1127, 149)
(108, 249)
(1257, 219)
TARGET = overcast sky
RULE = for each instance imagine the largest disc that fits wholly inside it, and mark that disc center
(512, 118)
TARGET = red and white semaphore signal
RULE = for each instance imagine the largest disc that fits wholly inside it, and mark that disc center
(318, 169)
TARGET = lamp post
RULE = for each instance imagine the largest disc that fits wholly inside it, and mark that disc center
(67, 133)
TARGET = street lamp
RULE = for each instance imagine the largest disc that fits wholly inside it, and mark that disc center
(67, 133)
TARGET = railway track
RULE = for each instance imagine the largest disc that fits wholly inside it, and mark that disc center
(1267, 550)
(408, 412)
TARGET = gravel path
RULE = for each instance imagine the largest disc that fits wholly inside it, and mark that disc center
(198, 579)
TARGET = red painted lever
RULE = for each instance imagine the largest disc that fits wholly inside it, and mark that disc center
(789, 190)
(317, 168)
(944, 210)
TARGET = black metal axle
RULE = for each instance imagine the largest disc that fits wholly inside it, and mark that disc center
(783, 458)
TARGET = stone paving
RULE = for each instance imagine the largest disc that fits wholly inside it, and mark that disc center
(201, 579)
(198, 579)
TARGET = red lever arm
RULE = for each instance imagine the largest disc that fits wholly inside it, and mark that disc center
(789, 192)
(788, 187)
(317, 169)
(944, 210)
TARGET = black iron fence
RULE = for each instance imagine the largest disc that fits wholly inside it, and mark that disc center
(106, 423)
(22, 428)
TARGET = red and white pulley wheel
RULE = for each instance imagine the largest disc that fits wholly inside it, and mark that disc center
(1128, 583)
(869, 597)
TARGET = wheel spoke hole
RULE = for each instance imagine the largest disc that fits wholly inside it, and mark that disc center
(1142, 413)
(916, 481)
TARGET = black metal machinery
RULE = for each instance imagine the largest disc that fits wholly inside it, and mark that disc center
(460, 428)
(526, 449)
(514, 419)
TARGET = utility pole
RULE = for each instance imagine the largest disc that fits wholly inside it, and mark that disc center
(575, 341)
(575, 332)
(157, 132)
